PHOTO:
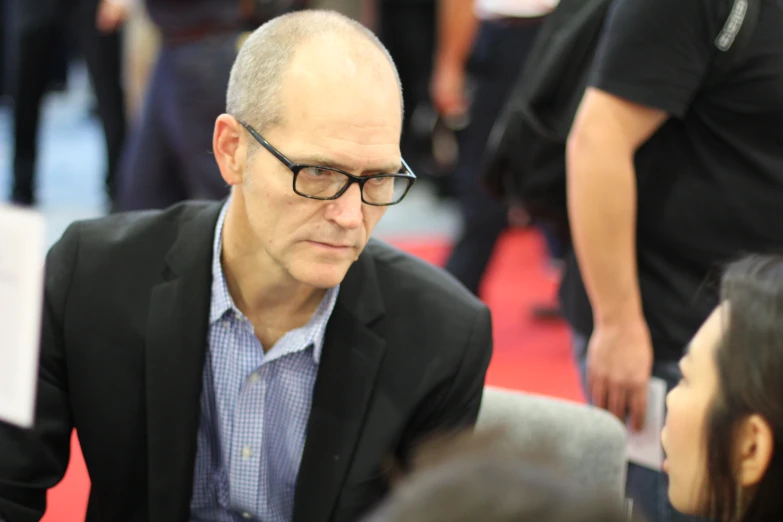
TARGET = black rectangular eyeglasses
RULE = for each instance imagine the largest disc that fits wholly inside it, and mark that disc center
(326, 183)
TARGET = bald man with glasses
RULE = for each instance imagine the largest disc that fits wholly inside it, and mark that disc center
(259, 358)
(327, 182)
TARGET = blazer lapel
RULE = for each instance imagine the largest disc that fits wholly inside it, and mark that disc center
(351, 357)
(175, 350)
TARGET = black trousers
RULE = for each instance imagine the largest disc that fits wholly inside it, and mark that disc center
(168, 157)
(498, 55)
(36, 48)
(407, 29)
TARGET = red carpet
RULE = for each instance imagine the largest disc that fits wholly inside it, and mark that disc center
(529, 355)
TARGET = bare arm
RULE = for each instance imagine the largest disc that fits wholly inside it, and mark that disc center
(456, 29)
(602, 199)
(602, 204)
(112, 14)
(456, 25)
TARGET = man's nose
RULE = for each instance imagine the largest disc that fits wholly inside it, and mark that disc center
(346, 211)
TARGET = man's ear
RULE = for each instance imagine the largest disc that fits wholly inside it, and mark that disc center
(754, 447)
(230, 148)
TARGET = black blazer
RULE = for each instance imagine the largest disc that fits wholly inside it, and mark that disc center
(123, 342)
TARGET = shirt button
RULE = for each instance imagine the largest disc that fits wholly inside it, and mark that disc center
(247, 452)
(247, 516)
(253, 378)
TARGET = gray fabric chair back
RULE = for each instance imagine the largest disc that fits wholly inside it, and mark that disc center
(586, 443)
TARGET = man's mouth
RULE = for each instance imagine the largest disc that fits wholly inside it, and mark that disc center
(331, 246)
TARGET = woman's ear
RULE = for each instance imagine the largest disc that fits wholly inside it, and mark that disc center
(230, 149)
(754, 448)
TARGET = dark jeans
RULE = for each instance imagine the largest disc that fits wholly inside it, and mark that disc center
(648, 489)
(497, 58)
(36, 53)
(407, 29)
(169, 154)
(555, 246)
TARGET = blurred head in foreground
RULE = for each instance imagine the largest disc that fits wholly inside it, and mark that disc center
(471, 478)
(724, 429)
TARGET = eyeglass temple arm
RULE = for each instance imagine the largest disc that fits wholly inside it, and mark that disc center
(407, 168)
(268, 146)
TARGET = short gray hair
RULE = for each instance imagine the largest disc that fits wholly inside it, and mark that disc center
(257, 74)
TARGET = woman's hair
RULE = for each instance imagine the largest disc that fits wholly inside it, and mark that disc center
(749, 359)
(467, 478)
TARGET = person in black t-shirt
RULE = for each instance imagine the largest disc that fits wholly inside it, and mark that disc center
(672, 172)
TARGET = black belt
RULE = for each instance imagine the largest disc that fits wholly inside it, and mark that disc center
(196, 33)
(517, 21)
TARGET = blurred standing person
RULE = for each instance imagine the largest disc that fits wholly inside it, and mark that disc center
(490, 40)
(675, 167)
(142, 43)
(40, 23)
(168, 156)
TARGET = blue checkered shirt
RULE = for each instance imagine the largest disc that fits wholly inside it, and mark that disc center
(254, 410)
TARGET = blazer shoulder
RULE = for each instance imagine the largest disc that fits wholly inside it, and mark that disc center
(132, 237)
(423, 285)
(142, 226)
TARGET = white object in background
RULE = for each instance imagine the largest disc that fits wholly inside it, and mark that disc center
(22, 256)
(490, 9)
(644, 447)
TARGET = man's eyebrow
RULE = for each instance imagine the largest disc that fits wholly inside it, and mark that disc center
(323, 161)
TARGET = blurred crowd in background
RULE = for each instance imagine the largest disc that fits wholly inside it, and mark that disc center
(159, 80)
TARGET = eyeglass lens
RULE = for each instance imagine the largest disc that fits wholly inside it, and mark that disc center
(323, 183)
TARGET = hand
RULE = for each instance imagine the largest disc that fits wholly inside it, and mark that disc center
(518, 217)
(111, 15)
(448, 91)
(619, 363)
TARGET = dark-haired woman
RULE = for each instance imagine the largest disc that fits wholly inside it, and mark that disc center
(724, 429)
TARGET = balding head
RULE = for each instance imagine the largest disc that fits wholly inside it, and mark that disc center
(323, 93)
(314, 46)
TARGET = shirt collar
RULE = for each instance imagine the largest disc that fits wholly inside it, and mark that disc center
(320, 319)
(222, 303)
(221, 299)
